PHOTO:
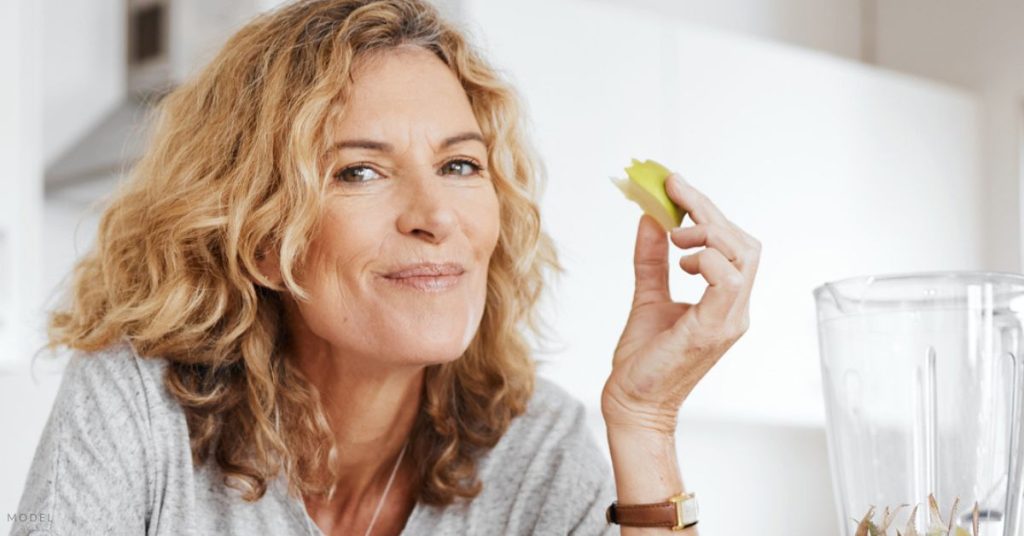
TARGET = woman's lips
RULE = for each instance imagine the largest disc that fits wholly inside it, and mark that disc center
(433, 283)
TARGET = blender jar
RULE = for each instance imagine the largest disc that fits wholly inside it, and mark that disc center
(921, 375)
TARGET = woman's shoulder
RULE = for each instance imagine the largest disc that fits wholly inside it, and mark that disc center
(551, 405)
(116, 398)
(119, 379)
(118, 362)
(555, 425)
(553, 443)
(548, 395)
(117, 393)
(95, 468)
(545, 475)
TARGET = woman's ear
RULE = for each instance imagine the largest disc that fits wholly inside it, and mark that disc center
(269, 266)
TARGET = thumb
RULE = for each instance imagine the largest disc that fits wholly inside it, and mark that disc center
(650, 263)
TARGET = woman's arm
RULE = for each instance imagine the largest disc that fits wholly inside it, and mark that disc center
(667, 347)
(646, 471)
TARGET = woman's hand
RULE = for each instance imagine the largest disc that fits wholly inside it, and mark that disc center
(667, 347)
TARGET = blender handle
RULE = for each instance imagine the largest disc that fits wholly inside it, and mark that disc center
(1013, 344)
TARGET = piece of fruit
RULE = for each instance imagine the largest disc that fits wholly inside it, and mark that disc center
(645, 186)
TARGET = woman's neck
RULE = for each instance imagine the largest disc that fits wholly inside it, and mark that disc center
(371, 410)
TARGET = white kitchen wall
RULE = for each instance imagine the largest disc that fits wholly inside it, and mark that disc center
(83, 71)
(20, 178)
(977, 46)
(836, 27)
(973, 45)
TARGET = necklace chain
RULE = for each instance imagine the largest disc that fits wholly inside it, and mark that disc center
(387, 488)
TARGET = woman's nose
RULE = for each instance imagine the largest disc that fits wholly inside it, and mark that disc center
(428, 207)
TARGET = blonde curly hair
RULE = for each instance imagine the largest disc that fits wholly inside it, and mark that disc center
(232, 172)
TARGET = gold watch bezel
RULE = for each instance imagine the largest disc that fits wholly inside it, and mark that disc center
(678, 501)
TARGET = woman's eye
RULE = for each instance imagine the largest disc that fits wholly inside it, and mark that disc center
(470, 167)
(360, 172)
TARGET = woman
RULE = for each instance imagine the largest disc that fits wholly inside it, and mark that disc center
(302, 313)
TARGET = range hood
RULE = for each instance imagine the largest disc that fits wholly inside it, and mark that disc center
(166, 40)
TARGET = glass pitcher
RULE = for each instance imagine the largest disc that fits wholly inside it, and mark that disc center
(921, 375)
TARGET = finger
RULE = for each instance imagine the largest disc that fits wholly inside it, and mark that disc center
(693, 201)
(743, 253)
(703, 211)
(650, 263)
(725, 284)
(744, 236)
(710, 235)
(749, 258)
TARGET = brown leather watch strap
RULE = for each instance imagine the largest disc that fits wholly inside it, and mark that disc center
(679, 512)
(642, 515)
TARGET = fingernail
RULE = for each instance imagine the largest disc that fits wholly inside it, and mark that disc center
(678, 179)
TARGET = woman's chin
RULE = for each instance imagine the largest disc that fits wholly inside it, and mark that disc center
(439, 358)
(441, 355)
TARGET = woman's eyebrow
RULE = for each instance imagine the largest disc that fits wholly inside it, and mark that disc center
(383, 147)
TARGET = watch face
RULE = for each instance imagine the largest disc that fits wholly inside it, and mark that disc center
(690, 511)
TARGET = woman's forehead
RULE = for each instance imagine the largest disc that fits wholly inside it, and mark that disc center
(407, 93)
(399, 64)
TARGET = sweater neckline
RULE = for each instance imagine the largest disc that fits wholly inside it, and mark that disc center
(297, 508)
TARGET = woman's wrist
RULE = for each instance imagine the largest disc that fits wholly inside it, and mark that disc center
(628, 416)
(646, 470)
(645, 465)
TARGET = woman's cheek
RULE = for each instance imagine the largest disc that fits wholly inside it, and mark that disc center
(491, 213)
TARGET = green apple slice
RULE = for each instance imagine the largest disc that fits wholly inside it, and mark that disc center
(646, 187)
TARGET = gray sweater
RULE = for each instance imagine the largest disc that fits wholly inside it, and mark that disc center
(114, 458)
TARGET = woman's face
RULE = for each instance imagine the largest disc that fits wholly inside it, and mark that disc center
(408, 188)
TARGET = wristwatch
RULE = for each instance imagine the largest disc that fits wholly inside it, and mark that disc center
(677, 513)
